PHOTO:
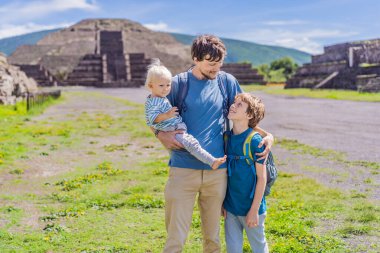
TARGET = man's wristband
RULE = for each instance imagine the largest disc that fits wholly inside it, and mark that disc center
(156, 131)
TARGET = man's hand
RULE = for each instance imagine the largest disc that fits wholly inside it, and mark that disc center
(268, 142)
(168, 139)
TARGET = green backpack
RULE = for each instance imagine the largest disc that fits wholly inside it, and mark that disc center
(271, 168)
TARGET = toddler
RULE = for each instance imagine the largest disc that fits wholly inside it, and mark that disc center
(162, 116)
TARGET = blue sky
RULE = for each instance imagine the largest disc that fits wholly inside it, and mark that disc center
(300, 24)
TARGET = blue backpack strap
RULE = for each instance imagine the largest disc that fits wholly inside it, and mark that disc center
(226, 136)
(183, 88)
(222, 83)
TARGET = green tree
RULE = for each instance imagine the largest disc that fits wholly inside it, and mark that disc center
(264, 70)
(287, 64)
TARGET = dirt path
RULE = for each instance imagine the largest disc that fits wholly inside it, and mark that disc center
(346, 126)
(327, 124)
(322, 123)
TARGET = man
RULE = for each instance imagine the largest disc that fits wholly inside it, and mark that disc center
(188, 177)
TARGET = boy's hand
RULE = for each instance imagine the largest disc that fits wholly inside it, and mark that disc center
(172, 112)
(268, 142)
(168, 139)
(252, 219)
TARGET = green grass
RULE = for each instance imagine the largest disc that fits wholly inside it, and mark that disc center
(89, 217)
(326, 94)
(119, 206)
(18, 130)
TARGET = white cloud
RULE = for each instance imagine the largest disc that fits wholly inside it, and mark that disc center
(14, 30)
(303, 44)
(284, 22)
(37, 9)
(302, 40)
(160, 26)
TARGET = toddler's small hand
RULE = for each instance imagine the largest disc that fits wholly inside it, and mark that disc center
(218, 162)
(173, 112)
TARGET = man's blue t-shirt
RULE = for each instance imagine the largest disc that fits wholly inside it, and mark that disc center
(203, 118)
(240, 182)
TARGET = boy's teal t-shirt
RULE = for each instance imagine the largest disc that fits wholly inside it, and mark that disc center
(240, 182)
(203, 118)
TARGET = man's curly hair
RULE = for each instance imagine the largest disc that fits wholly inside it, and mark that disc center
(208, 46)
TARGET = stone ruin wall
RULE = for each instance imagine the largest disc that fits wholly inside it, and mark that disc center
(14, 84)
(367, 54)
(320, 69)
(364, 52)
(60, 65)
(356, 63)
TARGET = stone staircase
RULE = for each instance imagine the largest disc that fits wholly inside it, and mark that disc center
(89, 71)
(244, 73)
(111, 45)
(137, 64)
(41, 75)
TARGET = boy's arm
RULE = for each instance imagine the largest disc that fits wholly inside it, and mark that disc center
(268, 141)
(252, 218)
(167, 115)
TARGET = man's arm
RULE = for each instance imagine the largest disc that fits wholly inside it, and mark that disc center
(268, 140)
(168, 139)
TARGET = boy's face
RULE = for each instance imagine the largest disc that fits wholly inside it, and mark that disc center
(238, 111)
(160, 86)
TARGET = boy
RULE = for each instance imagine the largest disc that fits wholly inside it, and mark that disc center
(244, 206)
(162, 116)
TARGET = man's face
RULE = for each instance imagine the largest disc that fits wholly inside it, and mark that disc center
(208, 69)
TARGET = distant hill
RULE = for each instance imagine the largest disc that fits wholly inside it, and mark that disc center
(238, 51)
(8, 45)
(241, 51)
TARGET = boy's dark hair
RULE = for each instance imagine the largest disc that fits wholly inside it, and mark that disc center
(255, 108)
(210, 45)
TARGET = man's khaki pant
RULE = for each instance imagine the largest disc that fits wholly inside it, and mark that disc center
(181, 190)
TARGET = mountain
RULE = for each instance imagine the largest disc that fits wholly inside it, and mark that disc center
(9, 45)
(257, 54)
(238, 51)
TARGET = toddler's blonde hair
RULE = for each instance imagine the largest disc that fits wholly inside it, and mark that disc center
(156, 70)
